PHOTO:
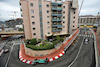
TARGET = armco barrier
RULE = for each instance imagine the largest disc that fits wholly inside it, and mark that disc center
(97, 58)
(71, 38)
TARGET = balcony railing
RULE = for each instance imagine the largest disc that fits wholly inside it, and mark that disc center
(56, 30)
(56, 19)
(57, 25)
(57, 8)
(56, 4)
(56, 14)
(59, 15)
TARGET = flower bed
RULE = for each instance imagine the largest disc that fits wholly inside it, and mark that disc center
(43, 45)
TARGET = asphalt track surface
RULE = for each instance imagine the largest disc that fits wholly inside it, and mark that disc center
(85, 58)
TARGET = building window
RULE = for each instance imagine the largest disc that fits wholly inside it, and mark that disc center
(73, 21)
(31, 4)
(48, 17)
(64, 12)
(48, 32)
(32, 11)
(47, 11)
(47, 5)
(39, 5)
(33, 22)
(63, 16)
(63, 26)
(74, 17)
(73, 26)
(63, 21)
(34, 33)
(74, 12)
(48, 22)
(63, 6)
(33, 28)
(32, 16)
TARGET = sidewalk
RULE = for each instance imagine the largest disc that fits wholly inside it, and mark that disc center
(56, 53)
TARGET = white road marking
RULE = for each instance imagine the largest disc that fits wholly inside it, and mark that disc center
(9, 55)
(14, 44)
(77, 54)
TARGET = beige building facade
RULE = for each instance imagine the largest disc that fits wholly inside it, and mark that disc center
(42, 18)
(88, 20)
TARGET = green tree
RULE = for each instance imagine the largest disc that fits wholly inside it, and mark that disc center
(39, 40)
(33, 41)
(62, 39)
(20, 29)
(27, 41)
(58, 38)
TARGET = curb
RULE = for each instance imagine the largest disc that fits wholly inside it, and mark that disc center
(30, 62)
(56, 57)
(24, 60)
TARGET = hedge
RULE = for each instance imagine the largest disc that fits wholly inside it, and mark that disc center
(45, 47)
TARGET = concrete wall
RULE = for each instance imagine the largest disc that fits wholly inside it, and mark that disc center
(34, 53)
(36, 19)
(76, 19)
(66, 9)
(26, 20)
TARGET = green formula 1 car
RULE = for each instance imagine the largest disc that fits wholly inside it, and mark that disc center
(40, 61)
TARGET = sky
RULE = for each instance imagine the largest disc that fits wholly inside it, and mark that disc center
(7, 8)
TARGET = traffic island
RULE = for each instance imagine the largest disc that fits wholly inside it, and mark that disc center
(30, 61)
(27, 55)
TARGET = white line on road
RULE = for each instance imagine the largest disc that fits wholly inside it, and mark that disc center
(9, 55)
(77, 54)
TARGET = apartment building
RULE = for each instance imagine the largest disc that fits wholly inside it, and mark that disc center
(88, 20)
(42, 18)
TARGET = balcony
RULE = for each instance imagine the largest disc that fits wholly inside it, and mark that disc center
(56, 4)
(57, 8)
(56, 20)
(59, 14)
(57, 25)
(56, 30)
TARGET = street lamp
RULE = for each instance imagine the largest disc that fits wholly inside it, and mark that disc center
(98, 19)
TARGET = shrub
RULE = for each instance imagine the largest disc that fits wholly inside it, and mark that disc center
(39, 40)
(67, 35)
(41, 45)
(27, 41)
(20, 29)
(45, 47)
(57, 38)
(62, 39)
(55, 42)
(33, 41)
